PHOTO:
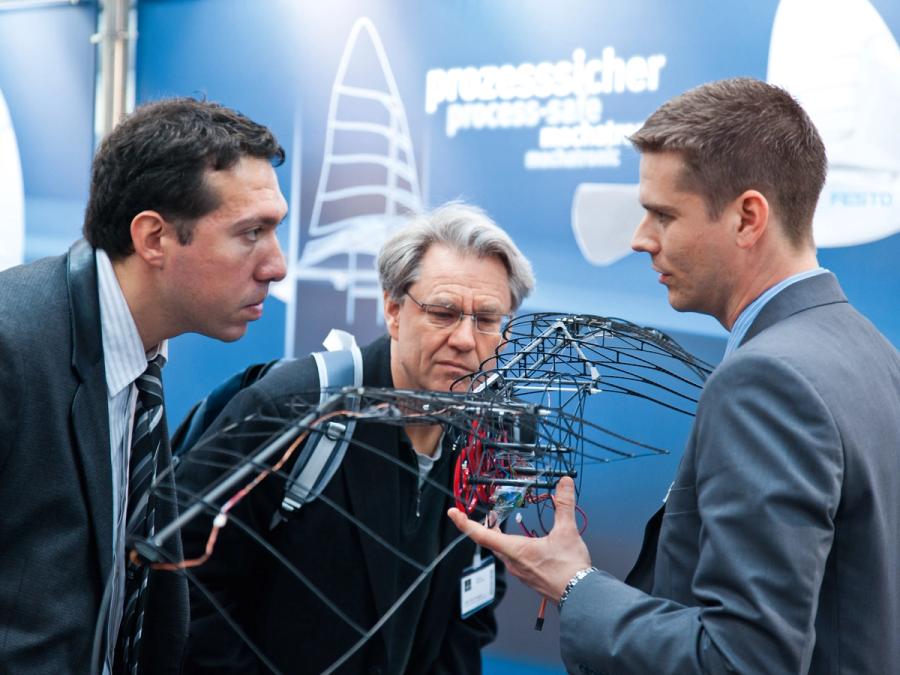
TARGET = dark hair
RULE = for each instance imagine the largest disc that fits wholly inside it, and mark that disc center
(156, 159)
(741, 134)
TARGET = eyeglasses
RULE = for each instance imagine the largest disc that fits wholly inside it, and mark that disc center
(439, 316)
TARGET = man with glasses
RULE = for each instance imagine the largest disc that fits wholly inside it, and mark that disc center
(450, 279)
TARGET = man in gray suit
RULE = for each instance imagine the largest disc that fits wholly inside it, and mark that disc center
(777, 547)
(180, 236)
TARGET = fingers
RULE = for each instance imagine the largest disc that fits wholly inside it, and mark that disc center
(459, 519)
(492, 539)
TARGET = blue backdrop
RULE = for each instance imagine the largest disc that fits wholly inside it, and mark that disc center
(47, 78)
(482, 95)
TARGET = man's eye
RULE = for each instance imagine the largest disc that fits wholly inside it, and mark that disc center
(253, 235)
(489, 320)
(443, 315)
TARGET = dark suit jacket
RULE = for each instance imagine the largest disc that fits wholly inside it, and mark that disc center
(288, 622)
(779, 547)
(56, 480)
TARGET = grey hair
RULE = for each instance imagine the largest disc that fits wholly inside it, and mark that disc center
(741, 134)
(463, 227)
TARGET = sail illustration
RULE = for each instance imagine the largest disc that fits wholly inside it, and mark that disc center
(12, 194)
(840, 60)
(368, 184)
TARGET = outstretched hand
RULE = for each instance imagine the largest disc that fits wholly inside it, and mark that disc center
(544, 563)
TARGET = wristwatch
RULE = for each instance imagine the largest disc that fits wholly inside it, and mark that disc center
(579, 575)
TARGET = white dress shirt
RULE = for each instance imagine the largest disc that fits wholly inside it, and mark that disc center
(125, 361)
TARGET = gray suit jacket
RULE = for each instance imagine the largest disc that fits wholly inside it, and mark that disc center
(56, 478)
(778, 547)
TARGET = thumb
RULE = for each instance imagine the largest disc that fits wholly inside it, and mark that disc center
(564, 502)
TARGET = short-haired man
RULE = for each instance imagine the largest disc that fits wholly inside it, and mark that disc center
(777, 548)
(449, 279)
(179, 237)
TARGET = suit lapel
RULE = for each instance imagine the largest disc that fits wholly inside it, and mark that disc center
(165, 493)
(822, 289)
(90, 418)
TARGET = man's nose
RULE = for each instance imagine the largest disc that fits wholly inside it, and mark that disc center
(462, 335)
(644, 239)
(273, 266)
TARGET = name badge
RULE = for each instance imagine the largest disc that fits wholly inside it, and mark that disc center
(477, 586)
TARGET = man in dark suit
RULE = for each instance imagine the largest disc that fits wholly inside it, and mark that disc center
(777, 547)
(449, 279)
(180, 236)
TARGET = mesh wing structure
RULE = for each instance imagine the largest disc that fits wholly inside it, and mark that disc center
(526, 419)
(566, 366)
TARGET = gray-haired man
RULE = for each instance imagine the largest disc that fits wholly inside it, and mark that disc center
(450, 279)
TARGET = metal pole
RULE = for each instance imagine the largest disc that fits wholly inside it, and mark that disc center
(115, 39)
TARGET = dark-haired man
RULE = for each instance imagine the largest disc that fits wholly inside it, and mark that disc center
(776, 550)
(179, 237)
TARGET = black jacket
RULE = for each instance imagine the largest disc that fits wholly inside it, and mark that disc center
(288, 622)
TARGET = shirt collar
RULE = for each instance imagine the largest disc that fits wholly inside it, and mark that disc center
(750, 312)
(123, 351)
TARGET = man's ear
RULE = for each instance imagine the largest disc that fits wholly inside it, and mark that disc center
(391, 315)
(150, 235)
(752, 210)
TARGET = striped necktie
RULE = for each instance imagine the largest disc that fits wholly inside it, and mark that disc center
(146, 439)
